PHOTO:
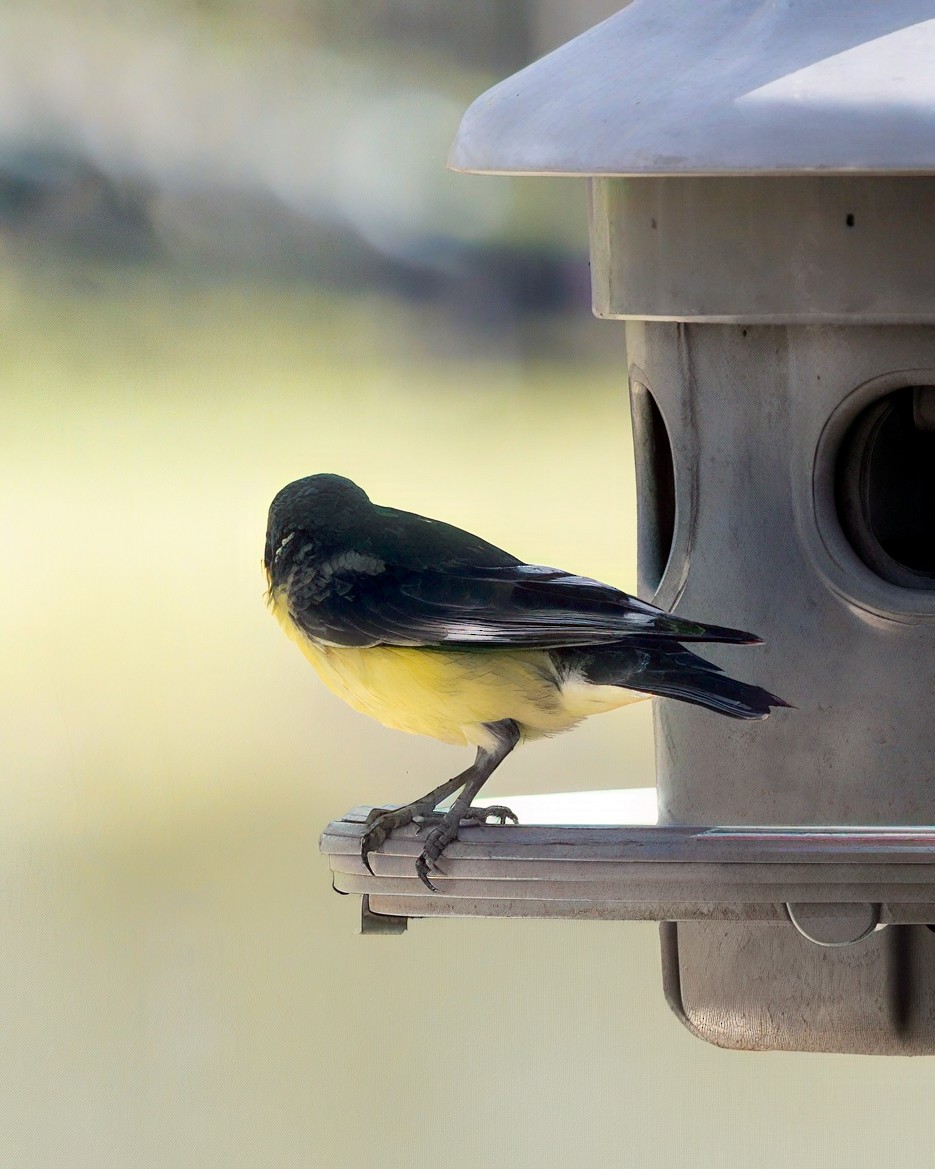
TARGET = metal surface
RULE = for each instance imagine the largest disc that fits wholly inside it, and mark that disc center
(757, 416)
(674, 87)
(764, 987)
(647, 873)
(847, 250)
(373, 923)
(835, 924)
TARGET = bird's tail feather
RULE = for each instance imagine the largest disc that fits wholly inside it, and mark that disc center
(716, 692)
(694, 631)
(671, 671)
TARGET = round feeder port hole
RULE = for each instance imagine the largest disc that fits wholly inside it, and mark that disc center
(655, 487)
(884, 487)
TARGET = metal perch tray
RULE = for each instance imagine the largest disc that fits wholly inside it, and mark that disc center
(873, 875)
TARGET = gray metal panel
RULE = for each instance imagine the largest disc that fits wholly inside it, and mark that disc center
(644, 872)
(658, 845)
(761, 987)
(758, 546)
(756, 415)
(724, 87)
(764, 250)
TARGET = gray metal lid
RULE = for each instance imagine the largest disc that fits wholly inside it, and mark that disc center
(673, 87)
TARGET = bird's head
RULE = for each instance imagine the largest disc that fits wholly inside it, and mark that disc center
(314, 510)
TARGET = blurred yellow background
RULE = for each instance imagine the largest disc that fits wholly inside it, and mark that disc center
(182, 335)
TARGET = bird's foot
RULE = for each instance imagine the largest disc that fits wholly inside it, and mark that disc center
(381, 822)
(472, 815)
(446, 831)
(498, 812)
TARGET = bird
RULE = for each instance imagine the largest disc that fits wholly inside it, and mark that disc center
(432, 630)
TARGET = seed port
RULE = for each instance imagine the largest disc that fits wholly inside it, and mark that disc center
(655, 483)
(885, 487)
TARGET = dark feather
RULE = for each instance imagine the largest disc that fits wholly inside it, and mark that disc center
(361, 575)
(482, 607)
(671, 671)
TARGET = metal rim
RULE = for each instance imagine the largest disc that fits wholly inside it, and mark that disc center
(820, 527)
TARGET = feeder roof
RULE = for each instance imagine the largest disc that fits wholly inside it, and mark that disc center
(678, 87)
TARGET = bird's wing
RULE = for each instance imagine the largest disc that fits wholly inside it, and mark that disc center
(368, 603)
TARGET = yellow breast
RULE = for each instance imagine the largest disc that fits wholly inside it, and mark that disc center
(447, 694)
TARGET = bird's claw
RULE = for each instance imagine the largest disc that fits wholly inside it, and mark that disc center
(472, 815)
(422, 872)
(498, 812)
(426, 820)
(446, 832)
(381, 822)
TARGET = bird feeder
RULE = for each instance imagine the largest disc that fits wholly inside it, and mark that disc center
(762, 214)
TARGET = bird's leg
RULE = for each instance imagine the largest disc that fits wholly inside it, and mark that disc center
(382, 821)
(488, 760)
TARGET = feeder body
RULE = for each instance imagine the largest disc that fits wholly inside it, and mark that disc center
(742, 522)
(763, 219)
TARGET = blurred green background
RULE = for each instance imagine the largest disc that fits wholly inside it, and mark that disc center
(230, 256)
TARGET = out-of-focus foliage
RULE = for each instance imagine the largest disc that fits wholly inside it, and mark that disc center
(300, 139)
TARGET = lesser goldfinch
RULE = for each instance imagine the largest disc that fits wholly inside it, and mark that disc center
(432, 630)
